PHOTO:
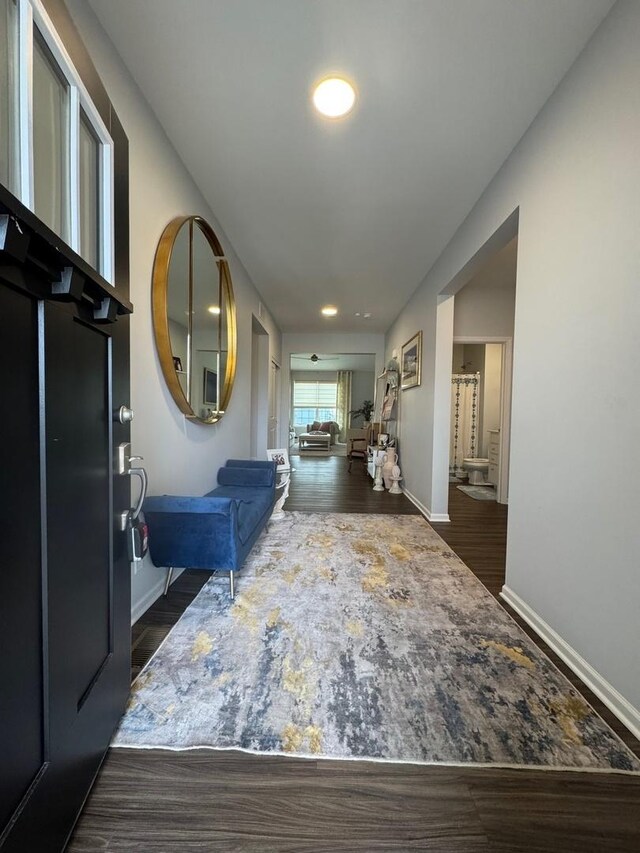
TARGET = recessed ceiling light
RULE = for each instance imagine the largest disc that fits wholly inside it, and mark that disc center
(329, 311)
(334, 97)
(367, 316)
(213, 309)
(357, 313)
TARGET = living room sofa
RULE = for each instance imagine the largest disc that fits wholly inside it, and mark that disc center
(330, 427)
(218, 530)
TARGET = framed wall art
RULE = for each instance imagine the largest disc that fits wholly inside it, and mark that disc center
(280, 456)
(411, 362)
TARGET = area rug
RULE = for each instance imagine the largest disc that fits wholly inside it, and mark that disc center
(362, 636)
(479, 493)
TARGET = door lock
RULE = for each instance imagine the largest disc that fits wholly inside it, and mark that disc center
(125, 415)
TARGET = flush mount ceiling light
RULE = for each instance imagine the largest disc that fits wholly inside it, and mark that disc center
(334, 97)
(329, 311)
(213, 309)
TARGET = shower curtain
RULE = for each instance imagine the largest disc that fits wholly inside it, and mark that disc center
(464, 420)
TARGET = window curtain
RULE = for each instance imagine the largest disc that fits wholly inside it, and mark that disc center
(343, 405)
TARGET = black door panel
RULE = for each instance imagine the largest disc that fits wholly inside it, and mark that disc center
(21, 672)
(78, 432)
(64, 571)
(64, 578)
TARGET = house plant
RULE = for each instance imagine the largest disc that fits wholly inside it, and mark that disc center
(365, 411)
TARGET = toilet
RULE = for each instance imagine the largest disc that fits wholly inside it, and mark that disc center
(477, 469)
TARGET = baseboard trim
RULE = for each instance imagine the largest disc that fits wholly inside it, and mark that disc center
(615, 701)
(430, 516)
(143, 604)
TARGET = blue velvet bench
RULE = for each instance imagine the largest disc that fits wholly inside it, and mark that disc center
(217, 531)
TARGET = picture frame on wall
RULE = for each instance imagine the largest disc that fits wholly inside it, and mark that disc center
(210, 388)
(280, 456)
(411, 362)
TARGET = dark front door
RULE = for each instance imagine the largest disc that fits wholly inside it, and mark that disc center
(64, 570)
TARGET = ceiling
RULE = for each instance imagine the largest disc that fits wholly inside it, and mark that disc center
(354, 211)
(333, 361)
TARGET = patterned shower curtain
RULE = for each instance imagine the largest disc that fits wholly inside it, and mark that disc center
(343, 403)
(464, 420)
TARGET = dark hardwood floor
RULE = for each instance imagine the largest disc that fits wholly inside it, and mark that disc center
(323, 484)
(158, 801)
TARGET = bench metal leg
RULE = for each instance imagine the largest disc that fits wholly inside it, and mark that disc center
(232, 591)
(167, 582)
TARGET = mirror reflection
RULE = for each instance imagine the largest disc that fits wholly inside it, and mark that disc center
(205, 377)
(194, 318)
(178, 306)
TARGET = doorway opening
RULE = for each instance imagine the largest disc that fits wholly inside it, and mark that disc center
(481, 414)
(260, 384)
(474, 344)
(328, 397)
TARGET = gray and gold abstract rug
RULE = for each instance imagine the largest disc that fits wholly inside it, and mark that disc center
(362, 636)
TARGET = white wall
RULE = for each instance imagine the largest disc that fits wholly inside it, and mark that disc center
(314, 375)
(490, 402)
(574, 537)
(487, 312)
(485, 307)
(180, 457)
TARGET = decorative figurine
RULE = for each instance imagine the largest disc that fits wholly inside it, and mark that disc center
(284, 480)
(395, 477)
(377, 483)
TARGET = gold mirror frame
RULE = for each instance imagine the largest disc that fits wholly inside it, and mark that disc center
(160, 287)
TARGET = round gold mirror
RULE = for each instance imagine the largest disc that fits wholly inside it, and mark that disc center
(194, 318)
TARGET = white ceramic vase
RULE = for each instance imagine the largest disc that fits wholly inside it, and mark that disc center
(390, 459)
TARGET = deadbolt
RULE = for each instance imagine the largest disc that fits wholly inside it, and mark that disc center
(125, 415)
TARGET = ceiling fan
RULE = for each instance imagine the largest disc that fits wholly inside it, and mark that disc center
(315, 358)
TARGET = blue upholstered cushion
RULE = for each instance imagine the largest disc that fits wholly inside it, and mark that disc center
(191, 532)
(252, 505)
(236, 476)
(250, 463)
(178, 503)
(249, 514)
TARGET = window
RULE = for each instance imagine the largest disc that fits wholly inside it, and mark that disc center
(56, 154)
(50, 141)
(89, 193)
(313, 401)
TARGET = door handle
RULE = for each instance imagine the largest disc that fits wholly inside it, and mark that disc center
(144, 483)
(137, 531)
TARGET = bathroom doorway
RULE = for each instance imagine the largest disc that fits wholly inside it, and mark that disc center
(476, 307)
(481, 410)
